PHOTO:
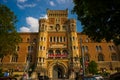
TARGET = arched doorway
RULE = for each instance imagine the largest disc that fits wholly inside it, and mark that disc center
(58, 72)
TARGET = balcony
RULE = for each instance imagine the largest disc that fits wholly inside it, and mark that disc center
(57, 55)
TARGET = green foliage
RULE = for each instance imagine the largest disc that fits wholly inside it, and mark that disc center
(92, 67)
(1, 74)
(100, 18)
(105, 74)
(9, 38)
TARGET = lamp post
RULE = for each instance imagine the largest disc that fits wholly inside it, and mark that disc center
(27, 67)
(83, 65)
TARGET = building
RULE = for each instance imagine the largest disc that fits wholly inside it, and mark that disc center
(55, 50)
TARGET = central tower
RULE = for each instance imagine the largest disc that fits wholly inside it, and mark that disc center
(58, 45)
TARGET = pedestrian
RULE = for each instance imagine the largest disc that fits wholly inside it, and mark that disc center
(6, 74)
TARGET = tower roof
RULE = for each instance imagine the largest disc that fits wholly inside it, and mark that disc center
(51, 13)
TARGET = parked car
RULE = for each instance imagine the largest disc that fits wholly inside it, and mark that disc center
(89, 78)
(95, 77)
(115, 76)
(7, 78)
(43, 77)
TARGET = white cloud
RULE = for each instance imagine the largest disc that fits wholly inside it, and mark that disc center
(29, 5)
(44, 16)
(32, 23)
(64, 1)
(61, 1)
(21, 1)
(52, 3)
(22, 6)
(24, 29)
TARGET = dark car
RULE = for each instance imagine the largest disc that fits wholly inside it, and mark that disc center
(115, 76)
(43, 77)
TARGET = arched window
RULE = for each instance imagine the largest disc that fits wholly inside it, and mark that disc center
(100, 57)
(64, 52)
(14, 58)
(87, 40)
(110, 48)
(87, 57)
(113, 47)
(97, 48)
(50, 52)
(57, 52)
(100, 48)
(86, 48)
(114, 57)
(83, 48)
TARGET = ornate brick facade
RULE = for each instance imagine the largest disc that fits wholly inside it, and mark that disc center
(55, 50)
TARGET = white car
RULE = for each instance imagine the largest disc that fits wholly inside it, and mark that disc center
(98, 77)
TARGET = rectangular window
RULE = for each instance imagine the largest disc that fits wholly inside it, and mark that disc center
(1, 59)
(74, 47)
(73, 38)
(29, 48)
(17, 48)
(28, 40)
(14, 59)
(39, 59)
(41, 38)
(60, 39)
(54, 39)
(57, 39)
(50, 39)
(64, 39)
(40, 47)
(44, 39)
(44, 48)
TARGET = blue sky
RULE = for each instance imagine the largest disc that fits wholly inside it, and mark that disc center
(28, 12)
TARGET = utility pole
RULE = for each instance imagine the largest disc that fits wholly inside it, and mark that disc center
(82, 53)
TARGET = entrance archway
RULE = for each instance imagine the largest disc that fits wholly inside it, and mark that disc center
(58, 72)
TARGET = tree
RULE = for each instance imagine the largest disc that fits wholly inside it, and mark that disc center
(100, 18)
(9, 37)
(92, 67)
